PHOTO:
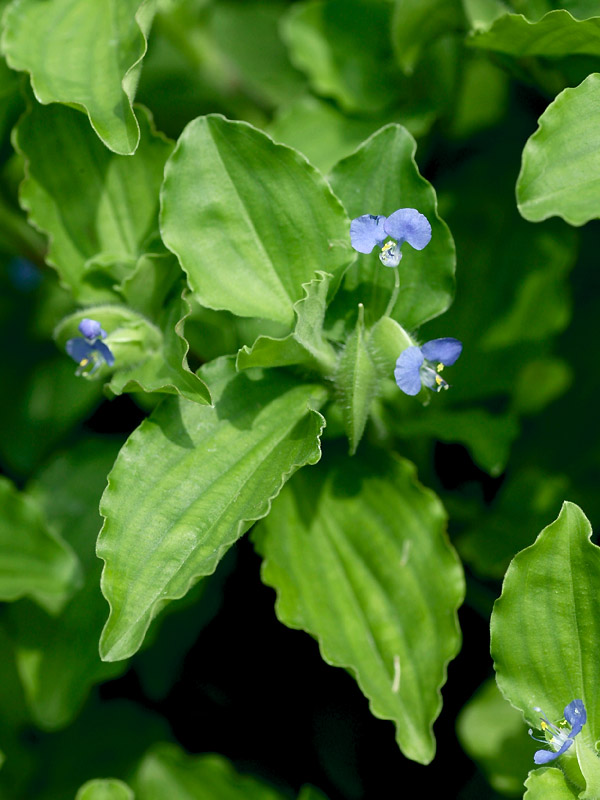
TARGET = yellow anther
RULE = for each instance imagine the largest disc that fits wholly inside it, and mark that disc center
(387, 246)
(83, 362)
(439, 380)
(440, 367)
(544, 725)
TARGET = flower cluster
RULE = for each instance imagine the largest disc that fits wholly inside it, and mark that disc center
(404, 225)
(421, 366)
(559, 737)
(89, 350)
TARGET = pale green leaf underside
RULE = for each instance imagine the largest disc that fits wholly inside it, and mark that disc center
(560, 172)
(34, 563)
(250, 221)
(168, 772)
(556, 34)
(105, 789)
(90, 202)
(550, 782)
(84, 53)
(188, 483)
(358, 556)
(546, 625)
(380, 177)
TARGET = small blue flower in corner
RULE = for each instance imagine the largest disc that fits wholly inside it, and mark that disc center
(421, 366)
(88, 349)
(404, 225)
(560, 737)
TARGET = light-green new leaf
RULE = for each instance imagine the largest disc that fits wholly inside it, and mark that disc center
(249, 220)
(85, 53)
(358, 556)
(545, 628)
(549, 782)
(96, 207)
(189, 482)
(34, 562)
(105, 789)
(560, 173)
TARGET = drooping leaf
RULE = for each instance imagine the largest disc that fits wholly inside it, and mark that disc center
(97, 208)
(356, 382)
(166, 771)
(193, 478)
(96, 69)
(105, 789)
(359, 559)
(249, 220)
(34, 561)
(416, 23)
(545, 628)
(380, 177)
(560, 172)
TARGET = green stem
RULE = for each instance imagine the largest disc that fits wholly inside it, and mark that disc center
(394, 295)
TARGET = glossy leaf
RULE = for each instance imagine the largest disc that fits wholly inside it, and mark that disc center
(416, 23)
(57, 656)
(380, 177)
(558, 178)
(249, 220)
(372, 540)
(105, 789)
(34, 562)
(95, 70)
(556, 34)
(95, 206)
(545, 628)
(356, 382)
(166, 771)
(194, 478)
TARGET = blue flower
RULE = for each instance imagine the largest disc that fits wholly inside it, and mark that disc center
(404, 225)
(557, 736)
(88, 350)
(421, 366)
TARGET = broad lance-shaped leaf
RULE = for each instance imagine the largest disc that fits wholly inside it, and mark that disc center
(560, 173)
(94, 205)
(306, 344)
(545, 630)
(556, 34)
(105, 789)
(358, 555)
(356, 382)
(85, 53)
(249, 220)
(378, 178)
(189, 482)
(34, 562)
(167, 772)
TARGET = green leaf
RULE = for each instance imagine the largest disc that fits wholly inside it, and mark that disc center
(166, 771)
(57, 656)
(344, 48)
(85, 53)
(555, 34)
(194, 478)
(356, 382)
(386, 341)
(492, 734)
(249, 220)
(560, 173)
(549, 782)
(34, 561)
(372, 541)
(380, 177)
(94, 205)
(306, 345)
(105, 789)
(545, 629)
(416, 23)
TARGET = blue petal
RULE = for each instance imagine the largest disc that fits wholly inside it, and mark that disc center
(91, 329)
(576, 716)
(366, 232)
(79, 349)
(409, 225)
(104, 351)
(407, 373)
(544, 756)
(445, 351)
